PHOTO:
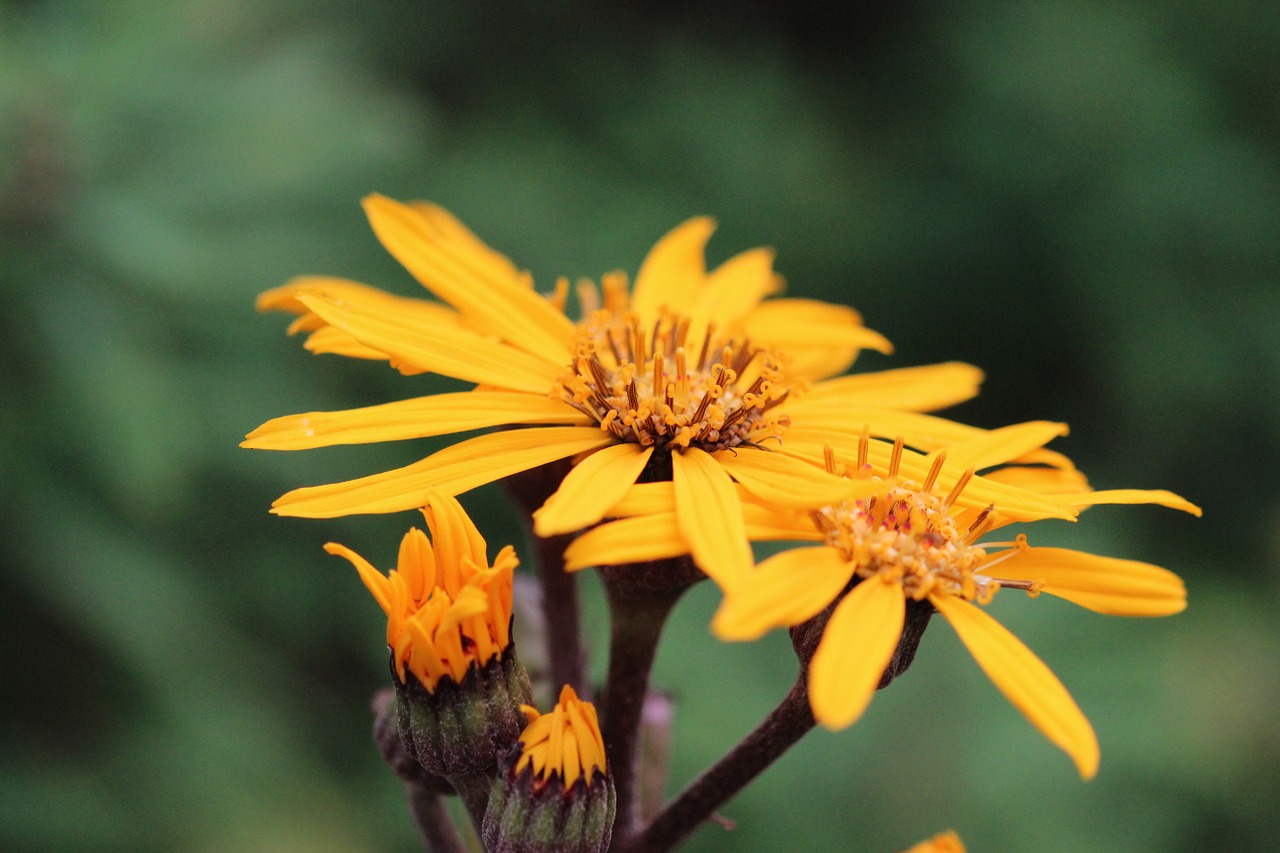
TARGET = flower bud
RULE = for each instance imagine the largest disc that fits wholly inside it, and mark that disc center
(459, 686)
(553, 793)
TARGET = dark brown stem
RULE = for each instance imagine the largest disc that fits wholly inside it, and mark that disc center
(559, 588)
(474, 789)
(784, 726)
(640, 599)
(432, 820)
(561, 613)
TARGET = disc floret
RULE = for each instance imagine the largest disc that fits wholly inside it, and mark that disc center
(669, 385)
(910, 535)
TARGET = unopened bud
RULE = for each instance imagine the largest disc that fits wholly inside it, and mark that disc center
(553, 793)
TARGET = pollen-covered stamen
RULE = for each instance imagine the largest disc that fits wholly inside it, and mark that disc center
(908, 534)
(622, 378)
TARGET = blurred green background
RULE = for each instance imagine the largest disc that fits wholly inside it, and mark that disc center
(1081, 198)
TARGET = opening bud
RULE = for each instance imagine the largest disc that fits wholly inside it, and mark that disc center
(554, 791)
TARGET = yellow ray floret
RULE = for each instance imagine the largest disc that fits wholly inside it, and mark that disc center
(447, 608)
(565, 743)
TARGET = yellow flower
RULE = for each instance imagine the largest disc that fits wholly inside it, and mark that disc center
(447, 608)
(916, 534)
(565, 743)
(943, 842)
(692, 366)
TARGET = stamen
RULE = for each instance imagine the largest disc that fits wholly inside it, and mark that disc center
(616, 298)
(776, 401)
(706, 346)
(954, 494)
(984, 522)
(613, 346)
(682, 376)
(829, 457)
(588, 297)
(623, 376)
(597, 373)
(678, 334)
(864, 446)
(896, 458)
(933, 472)
(702, 405)
(560, 296)
(639, 346)
(1008, 584)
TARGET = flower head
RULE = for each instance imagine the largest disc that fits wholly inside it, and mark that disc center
(447, 609)
(565, 744)
(554, 790)
(680, 377)
(918, 533)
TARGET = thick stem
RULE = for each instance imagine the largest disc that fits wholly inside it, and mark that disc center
(560, 612)
(640, 599)
(784, 726)
(432, 820)
(474, 789)
(559, 588)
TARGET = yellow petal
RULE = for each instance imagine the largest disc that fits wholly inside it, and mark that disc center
(327, 340)
(374, 580)
(1024, 680)
(787, 482)
(630, 540)
(450, 231)
(784, 590)
(453, 470)
(856, 646)
(456, 536)
(709, 513)
(674, 270)
(997, 446)
(809, 323)
(920, 389)
(817, 363)
(926, 432)
(1045, 481)
(1134, 496)
(451, 351)
(732, 290)
(490, 295)
(645, 499)
(439, 414)
(1105, 584)
(591, 487)
(765, 523)
(285, 298)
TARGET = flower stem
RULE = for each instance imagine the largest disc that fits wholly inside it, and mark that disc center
(561, 615)
(560, 608)
(474, 789)
(432, 820)
(777, 733)
(640, 596)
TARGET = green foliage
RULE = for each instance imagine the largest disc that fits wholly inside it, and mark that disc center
(1084, 200)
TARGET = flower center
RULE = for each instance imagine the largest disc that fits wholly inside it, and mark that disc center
(656, 386)
(910, 535)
